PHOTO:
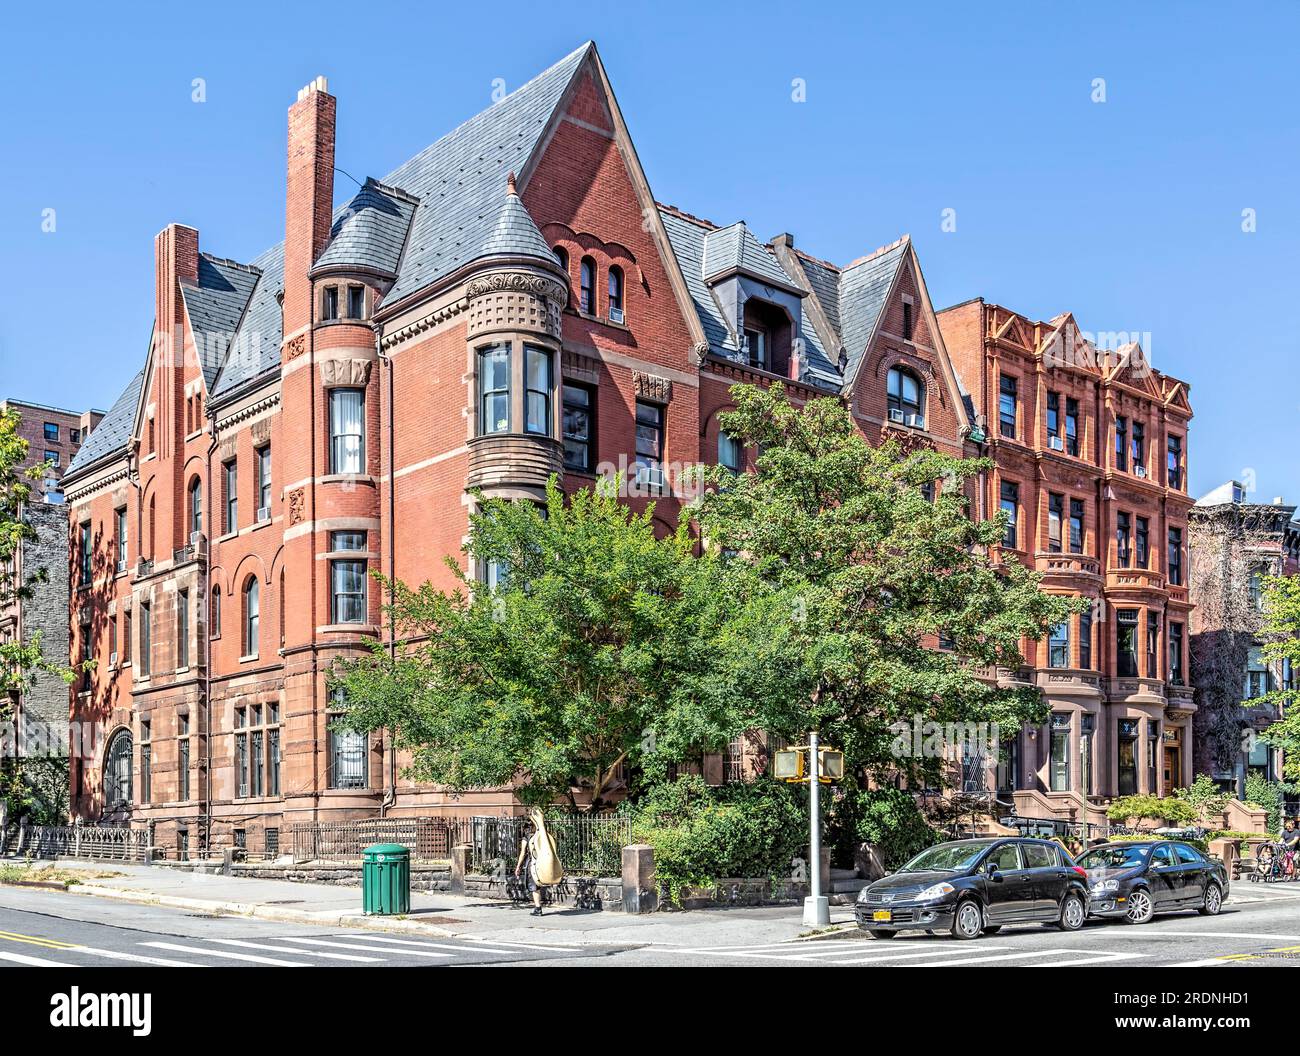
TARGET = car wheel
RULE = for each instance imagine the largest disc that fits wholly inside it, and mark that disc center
(992, 929)
(876, 933)
(1073, 913)
(1140, 907)
(968, 921)
(1213, 901)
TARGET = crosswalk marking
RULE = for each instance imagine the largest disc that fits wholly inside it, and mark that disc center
(118, 955)
(422, 945)
(356, 946)
(960, 960)
(524, 945)
(289, 949)
(226, 953)
(33, 962)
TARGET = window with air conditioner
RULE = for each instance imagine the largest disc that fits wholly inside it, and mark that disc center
(903, 396)
(615, 294)
(649, 444)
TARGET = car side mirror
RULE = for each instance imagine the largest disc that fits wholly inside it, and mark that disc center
(991, 869)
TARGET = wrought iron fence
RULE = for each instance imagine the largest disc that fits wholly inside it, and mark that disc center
(110, 843)
(425, 838)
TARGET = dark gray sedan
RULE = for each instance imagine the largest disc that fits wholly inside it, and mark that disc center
(1136, 879)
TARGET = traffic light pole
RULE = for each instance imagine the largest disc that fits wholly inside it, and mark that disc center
(816, 907)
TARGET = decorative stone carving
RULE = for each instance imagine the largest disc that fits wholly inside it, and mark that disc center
(297, 506)
(538, 285)
(505, 301)
(295, 346)
(350, 373)
(578, 367)
(260, 431)
(652, 387)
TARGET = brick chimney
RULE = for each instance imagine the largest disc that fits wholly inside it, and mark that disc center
(176, 260)
(309, 197)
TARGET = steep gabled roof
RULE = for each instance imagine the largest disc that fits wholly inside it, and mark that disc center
(215, 306)
(113, 433)
(256, 349)
(514, 233)
(459, 178)
(370, 231)
(863, 291)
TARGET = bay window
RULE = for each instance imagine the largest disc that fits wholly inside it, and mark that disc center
(537, 390)
(348, 578)
(347, 431)
(494, 389)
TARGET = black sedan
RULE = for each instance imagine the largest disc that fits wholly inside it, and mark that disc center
(974, 887)
(1137, 879)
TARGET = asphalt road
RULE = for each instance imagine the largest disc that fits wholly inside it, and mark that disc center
(42, 929)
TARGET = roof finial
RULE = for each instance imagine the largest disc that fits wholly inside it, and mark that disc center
(510, 184)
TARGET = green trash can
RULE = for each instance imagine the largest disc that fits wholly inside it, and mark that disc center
(385, 879)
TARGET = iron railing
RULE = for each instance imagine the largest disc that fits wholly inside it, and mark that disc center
(111, 843)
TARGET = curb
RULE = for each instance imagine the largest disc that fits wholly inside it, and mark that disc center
(261, 912)
(48, 885)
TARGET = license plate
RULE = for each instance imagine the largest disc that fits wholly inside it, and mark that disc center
(883, 916)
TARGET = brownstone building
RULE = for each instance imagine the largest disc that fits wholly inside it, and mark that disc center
(509, 304)
(53, 435)
(1091, 466)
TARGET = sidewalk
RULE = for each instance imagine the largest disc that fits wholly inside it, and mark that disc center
(437, 913)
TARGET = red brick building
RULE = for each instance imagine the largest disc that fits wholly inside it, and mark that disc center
(509, 304)
(1091, 464)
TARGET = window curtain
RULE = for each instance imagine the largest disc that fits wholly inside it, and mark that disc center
(347, 422)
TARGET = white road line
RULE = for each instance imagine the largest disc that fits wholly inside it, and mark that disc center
(34, 962)
(825, 949)
(1148, 934)
(357, 946)
(1094, 959)
(1208, 962)
(290, 949)
(118, 955)
(1005, 957)
(225, 953)
(913, 954)
(524, 945)
(423, 945)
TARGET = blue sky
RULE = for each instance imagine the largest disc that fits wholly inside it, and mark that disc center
(1127, 212)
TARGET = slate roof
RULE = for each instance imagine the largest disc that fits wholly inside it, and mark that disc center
(459, 178)
(370, 230)
(735, 248)
(863, 287)
(215, 307)
(113, 431)
(257, 345)
(515, 234)
(425, 219)
(696, 241)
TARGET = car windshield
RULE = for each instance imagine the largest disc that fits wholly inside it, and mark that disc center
(1114, 857)
(949, 857)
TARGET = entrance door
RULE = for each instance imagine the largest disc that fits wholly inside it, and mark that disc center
(1173, 767)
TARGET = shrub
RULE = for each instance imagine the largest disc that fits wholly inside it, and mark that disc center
(1266, 795)
(1204, 796)
(1173, 810)
(701, 835)
(886, 818)
(1200, 843)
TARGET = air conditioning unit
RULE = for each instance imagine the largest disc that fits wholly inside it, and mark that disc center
(1140, 471)
(649, 476)
(263, 513)
(112, 659)
(616, 315)
(896, 416)
(199, 544)
(916, 421)
(1056, 443)
(121, 565)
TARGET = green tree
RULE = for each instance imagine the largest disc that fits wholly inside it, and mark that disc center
(844, 574)
(588, 653)
(1281, 635)
(21, 659)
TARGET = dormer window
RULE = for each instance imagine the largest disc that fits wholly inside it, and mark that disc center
(615, 294)
(904, 396)
(587, 291)
(356, 302)
(329, 309)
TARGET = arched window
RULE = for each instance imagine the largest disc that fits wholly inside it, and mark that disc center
(196, 505)
(117, 770)
(562, 255)
(251, 608)
(587, 289)
(904, 395)
(214, 621)
(615, 294)
(153, 510)
(729, 452)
